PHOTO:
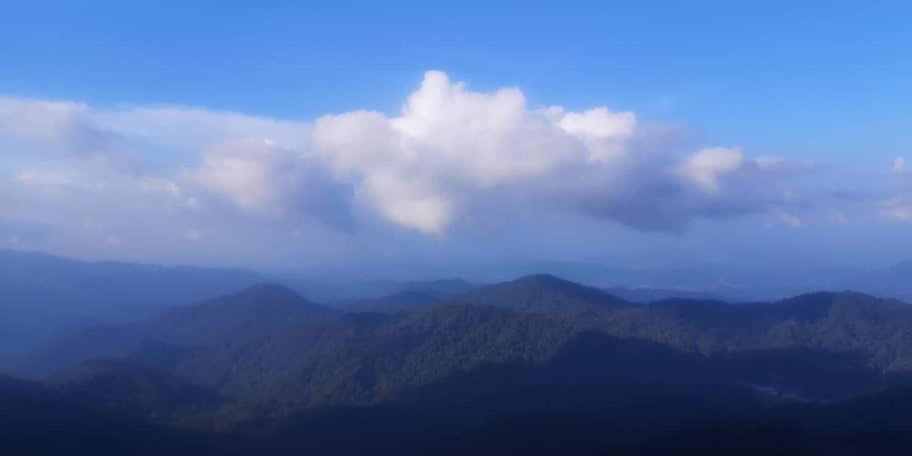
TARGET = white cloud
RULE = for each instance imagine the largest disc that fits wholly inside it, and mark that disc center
(896, 209)
(899, 166)
(249, 173)
(428, 168)
(451, 147)
(707, 166)
(604, 132)
(789, 219)
(39, 119)
(45, 179)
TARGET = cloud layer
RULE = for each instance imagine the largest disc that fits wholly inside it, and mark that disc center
(452, 159)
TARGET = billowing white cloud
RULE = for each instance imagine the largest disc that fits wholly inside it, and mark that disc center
(450, 147)
(706, 167)
(450, 156)
(264, 178)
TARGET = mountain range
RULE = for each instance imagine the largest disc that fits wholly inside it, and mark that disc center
(485, 365)
(536, 365)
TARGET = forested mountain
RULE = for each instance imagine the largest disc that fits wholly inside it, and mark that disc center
(396, 302)
(409, 296)
(489, 366)
(645, 295)
(544, 294)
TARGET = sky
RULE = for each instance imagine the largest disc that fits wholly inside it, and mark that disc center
(414, 138)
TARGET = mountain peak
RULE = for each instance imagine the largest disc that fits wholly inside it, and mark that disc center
(544, 293)
(269, 290)
(542, 278)
(252, 311)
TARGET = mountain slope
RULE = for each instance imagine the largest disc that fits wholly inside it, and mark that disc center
(544, 294)
(121, 387)
(397, 302)
(252, 313)
(41, 294)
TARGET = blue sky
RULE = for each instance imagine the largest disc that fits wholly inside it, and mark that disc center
(823, 87)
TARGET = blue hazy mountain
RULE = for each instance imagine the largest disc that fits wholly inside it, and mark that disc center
(41, 294)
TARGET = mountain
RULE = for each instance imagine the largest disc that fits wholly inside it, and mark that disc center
(439, 287)
(38, 419)
(45, 419)
(396, 302)
(545, 294)
(647, 295)
(225, 343)
(409, 296)
(122, 387)
(41, 294)
(255, 312)
(537, 364)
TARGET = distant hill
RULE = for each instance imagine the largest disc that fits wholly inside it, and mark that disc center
(41, 294)
(439, 287)
(396, 302)
(647, 295)
(544, 293)
(408, 296)
(252, 313)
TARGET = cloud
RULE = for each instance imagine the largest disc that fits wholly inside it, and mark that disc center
(789, 219)
(896, 209)
(264, 178)
(451, 147)
(450, 161)
(706, 167)
(900, 167)
(45, 179)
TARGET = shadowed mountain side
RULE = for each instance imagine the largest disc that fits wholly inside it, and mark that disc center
(597, 393)
(120, 386)
(839, 322)
(631, 386)
(852, 322)
(367, 358)
(41, 420)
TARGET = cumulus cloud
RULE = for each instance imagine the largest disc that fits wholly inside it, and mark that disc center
(706, 167)
(899, 206)
(450, 146)
(451, 155)
(264, 178)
